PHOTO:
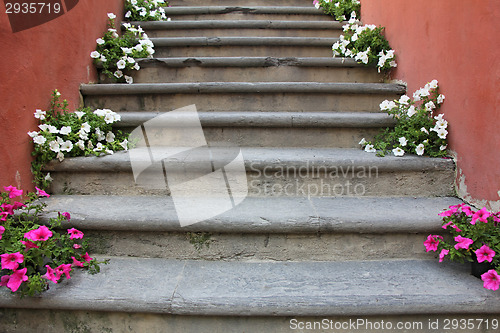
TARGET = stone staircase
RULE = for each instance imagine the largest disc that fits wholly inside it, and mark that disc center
(340, 239)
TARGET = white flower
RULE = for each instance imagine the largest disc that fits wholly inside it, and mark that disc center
(48, 177)
(109, 152)
(33, 134)
(53, 129)
(39, 140)
(363, 56)
(104, 59)
(316, 5)
(440, 99)
(95, 54)
(130, 60)
(81, 144)
(423, 129)
(124, 144)
(402, 141)
(43, 127)
(100, 112)
(100, 135)
(99, 147)
(420, 149)
(433, 84)
(109, 118)
(127, 25)
(443, 147)
(150, 50)
(100, 41)
(65, 130)
(354, 37)
(144, 12)
(118, 74)
(362, 142)
(370, 149)
(387, 105)
(60, 156)
(110, 137)
(442, 123)
(90, 145)
(39, 114)
(67, 146)
(127, 50)
(152, 13)
(129, 79)
(411, 111)
(79, 114)
(83, 135)
(136, 67)
(128, 14)
(404, 100)
(429, 106)
(121, 64)
(111, 16)
(54, 146)
(85, 127)
(133, 2)
(398, 152)
(442, 133)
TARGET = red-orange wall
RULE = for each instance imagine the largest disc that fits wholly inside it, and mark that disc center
(37, 61)
(456, 42)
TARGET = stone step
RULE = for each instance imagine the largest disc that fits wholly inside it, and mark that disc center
(235, 96)
(242, 3)
(305, 12)
(278, 229)
(166, 47)
(234, 28)
(305, 172)
(252, 69)
(149, 294)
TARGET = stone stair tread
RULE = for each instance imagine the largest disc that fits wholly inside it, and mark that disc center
(287, 119)
(341, 159)
(352, 288)
(242, 87)
(191, 10)
(375, 215)
(243, 41)
(238, 24)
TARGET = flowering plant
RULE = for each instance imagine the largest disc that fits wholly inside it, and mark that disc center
(417, 130)
(338, 8)
(64, 134)
(32, 253)
(475, 237)
(119, 53)
(365, 44)
(145, 10)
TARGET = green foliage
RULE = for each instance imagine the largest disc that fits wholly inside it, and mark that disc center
(145, 10)
(340, 9)
(200, 239)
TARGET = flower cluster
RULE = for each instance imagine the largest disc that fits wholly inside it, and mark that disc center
(338, 8)
(145, 10)
(365, 44)
(472, 232)
(33, 253)
(117, 54)
(81, 133)
(418, 130)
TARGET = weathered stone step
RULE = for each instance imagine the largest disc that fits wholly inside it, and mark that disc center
(143, 294)
(252, 69)
(269, 172)
(280, 129)
(242, 3)
(280, 229)
(234, 96)
(243, 46)
(234, 28)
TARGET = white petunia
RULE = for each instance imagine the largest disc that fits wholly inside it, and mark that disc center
(95, 54)
(100, 41)
(398, 152)
(33, 134)
(79, 114)
(39, 140)
(118, 74)
(53, 129)
(39, 114)
(111, 16)
(404, 100)
(60, 156)
(110, 137)
(128, 14)
(85, 127)
(420, 149)
(442, 133)
(83, 135)
(129, 79)
(99, 134)
(411, 111)
(440, 99)
(443, 147)
(109, 118)
(54, 146)
(104, 59)
(124, 144)
(363, 142)
(65, 130)
(387, 105)
(99, 147)
(136, 67)
(43, 127)
(403, 141)
(423, 129)
(48, 177)
(67, 146)
(121, 64)
(433, 84)
(81, 144)
(370, 149)
(429, 106)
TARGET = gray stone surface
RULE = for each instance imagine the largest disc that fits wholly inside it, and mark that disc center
(354, 288)
(310, 10)
(243, 41)
(238, 24)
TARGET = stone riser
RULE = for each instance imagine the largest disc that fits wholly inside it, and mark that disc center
(244, 32)
(250, 16)
(241, 3)
(241, 101)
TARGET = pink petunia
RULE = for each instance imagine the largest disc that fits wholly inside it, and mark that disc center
(63, 269)
(481, 215)
(4, 216)
(4, 280)
(467, 210)
(491, 279)
(11, 208)
(76, 263)
(17, 278)
(66, 215)
(41, 193)
(484, 253)
(448, 213)
(11, 260)
(86, 257)
(75, 234)
(2, 230)
(41, 234)
(443, 254)
(432, 242)
(29, 245)
(50, 274)
(463, 242)
(13, 191)
(77, 246)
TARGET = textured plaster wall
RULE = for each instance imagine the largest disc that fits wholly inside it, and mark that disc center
(457, 43)
(35, 62)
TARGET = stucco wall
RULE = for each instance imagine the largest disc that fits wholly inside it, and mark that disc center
(35, 62)
(457, 43)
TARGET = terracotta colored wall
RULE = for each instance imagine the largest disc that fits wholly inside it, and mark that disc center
(37, 61)
(456, 42)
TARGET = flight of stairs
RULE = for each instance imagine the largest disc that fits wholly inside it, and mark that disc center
(343, 242)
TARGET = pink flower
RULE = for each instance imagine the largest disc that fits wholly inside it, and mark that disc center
(41, 193)
(447, 213)
(17, 278)
(29, 245)
(432, 242)
(10, 208)
(4, 280)
(66, 215)
(63, 269)
(86, 257)
(77, 246)
(50, 275)
(491, 279)
(457, 229)
(484, 253)
(443, 254)
(11, 260)
(2, 230)
(41, 234)
(467, 210)
(76, 263)
(75, 234)
(4, 216)
(481, 215)
(13, 191)
(463, 242)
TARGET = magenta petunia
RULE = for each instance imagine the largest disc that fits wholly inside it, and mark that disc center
(66, 215)
(432, 242)
(2, 230)
(467, 210)
(11, 260)
(41, 193)
(8, 208)
(63, 269)
(86, 257)
(481, 215)
(51, 274)
(443, 254)
(463, 242)
(491, 279)
(41, 234)
(76, 263)
(484, 253)
(17, 278)
(4, 216)
(4, 280)
(29, 245)
(13, 191)
(75, 234)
